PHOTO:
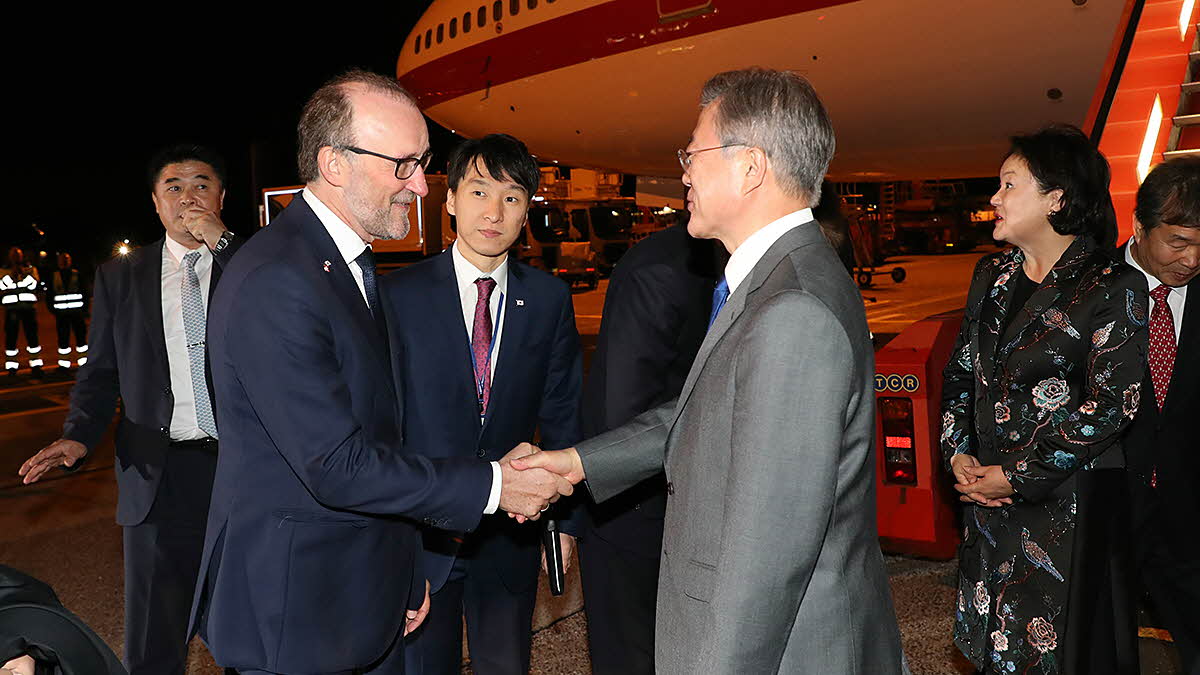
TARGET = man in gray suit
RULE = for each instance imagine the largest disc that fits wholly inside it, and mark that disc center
(770, 561)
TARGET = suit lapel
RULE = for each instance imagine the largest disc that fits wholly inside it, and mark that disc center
(799, 236)
(995, 306)
(340, 278)
(1187, 354)
(446, 307)
(1042, 304)
(515, 326)
(147, 277)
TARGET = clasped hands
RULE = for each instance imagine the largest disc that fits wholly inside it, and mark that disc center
(533, 479)
(978, 484)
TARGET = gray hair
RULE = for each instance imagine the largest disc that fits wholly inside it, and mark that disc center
(779, 112)
(328, 117)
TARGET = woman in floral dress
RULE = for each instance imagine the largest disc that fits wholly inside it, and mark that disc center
(1044, 376)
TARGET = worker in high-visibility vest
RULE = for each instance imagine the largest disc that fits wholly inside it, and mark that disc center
(19, 285)
(68, 303)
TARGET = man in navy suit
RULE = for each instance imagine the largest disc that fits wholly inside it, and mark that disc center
(1160, 445)
(147, 349)
(488, 354)
(310, 560)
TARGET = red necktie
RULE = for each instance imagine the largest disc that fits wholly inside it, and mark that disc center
(481, 342)
(1162, 343)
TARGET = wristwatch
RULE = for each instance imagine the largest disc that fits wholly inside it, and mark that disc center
(223, 241)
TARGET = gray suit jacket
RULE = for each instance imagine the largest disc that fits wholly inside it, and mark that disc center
(770, 555)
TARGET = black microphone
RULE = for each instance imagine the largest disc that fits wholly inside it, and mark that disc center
(554, 558)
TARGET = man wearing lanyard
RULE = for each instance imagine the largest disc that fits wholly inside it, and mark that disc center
(488, 354)
(1160, 445)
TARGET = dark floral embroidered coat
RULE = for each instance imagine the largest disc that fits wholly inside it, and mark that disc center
(1044, 397)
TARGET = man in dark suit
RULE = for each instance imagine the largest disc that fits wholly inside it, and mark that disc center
(655, 314)
(488, 355)
(1160, 444)
(310, 560)
(147, 348)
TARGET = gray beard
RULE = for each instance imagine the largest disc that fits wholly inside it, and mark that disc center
(378, 222)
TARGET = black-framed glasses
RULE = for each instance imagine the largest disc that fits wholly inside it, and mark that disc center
(685, 156)
(405, 166)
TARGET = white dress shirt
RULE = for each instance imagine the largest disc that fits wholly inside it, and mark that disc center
(743, 260)
(465, 272)
(183, 416)
(350, 246)
(1175, 298)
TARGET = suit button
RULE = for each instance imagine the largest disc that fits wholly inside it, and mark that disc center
(428, 521)
(166, 391)
(670, 488)
(481, 453)
(164, 430)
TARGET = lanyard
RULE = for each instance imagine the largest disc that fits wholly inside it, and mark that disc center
(481, 374)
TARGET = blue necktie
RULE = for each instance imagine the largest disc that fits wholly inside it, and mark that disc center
(366, 263)
(720, 295)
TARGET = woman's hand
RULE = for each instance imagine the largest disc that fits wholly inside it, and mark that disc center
(987, 487)
(960, 464)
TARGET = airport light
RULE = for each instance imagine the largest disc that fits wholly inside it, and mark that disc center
(123, 247)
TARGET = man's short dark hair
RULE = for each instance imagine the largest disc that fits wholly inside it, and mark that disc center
(184, 152)
(503, 157)
(1061, 157)
(1170, 195)
(328, 117)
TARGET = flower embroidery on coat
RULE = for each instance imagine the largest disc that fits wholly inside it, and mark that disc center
(1050, 394)
(1041, 635)
(1088, 407)
(1133, 397)
(1002, 415)
(1000, 641)
(982, 599)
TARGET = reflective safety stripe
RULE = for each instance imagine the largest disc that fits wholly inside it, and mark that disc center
(9, 300)
(64, 350)
(81, 348)
(11, 352)
(11, 365)
(34, 350)
(28, 282)
(27, 297)
(68, 305)
(7, 283)
(35, 363)
(64, 363)
(63, 297)
(81, 361)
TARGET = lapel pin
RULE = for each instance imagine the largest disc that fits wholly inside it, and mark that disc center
(520, 303)
(325, 265)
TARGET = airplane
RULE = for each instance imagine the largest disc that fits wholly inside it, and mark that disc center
(926, 89)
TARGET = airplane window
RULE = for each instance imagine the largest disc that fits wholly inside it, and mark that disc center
(439, 34)
(497, 10)
(467, 22)
(482, 17)
(454, 27)
(532, 4)
(417, 45)
(514, 7)
(428, 38)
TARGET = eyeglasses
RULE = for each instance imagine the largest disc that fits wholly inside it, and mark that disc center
(405, 166)
(685, 156)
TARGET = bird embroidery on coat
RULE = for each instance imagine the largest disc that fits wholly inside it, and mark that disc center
(1056, 318)
(1036, 555)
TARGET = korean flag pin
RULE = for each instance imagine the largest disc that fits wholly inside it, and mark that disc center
(520, 303)
(325, 265)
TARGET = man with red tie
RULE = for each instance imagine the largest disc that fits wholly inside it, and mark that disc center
(1161, 447)
(487, 354)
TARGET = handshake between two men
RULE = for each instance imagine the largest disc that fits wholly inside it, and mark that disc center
(532, 479)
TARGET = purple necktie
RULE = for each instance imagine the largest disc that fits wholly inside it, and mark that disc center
(481, 342)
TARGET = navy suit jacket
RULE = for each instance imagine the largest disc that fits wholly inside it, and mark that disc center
(309, 559)
(535, 389)
(127, 358)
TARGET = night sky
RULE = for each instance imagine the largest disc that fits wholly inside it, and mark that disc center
(95, 99)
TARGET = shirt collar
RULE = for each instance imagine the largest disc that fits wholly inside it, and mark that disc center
(178, 250)
(743, 260)
(466, 272)
(349, 244)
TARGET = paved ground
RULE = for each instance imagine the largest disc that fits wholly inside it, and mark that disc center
(62, 530)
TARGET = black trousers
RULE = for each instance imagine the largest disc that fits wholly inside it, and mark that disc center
(620, 591)
(499, 625)
(1171, 579)
(162, 559)
(67, 323)
(16, 318)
